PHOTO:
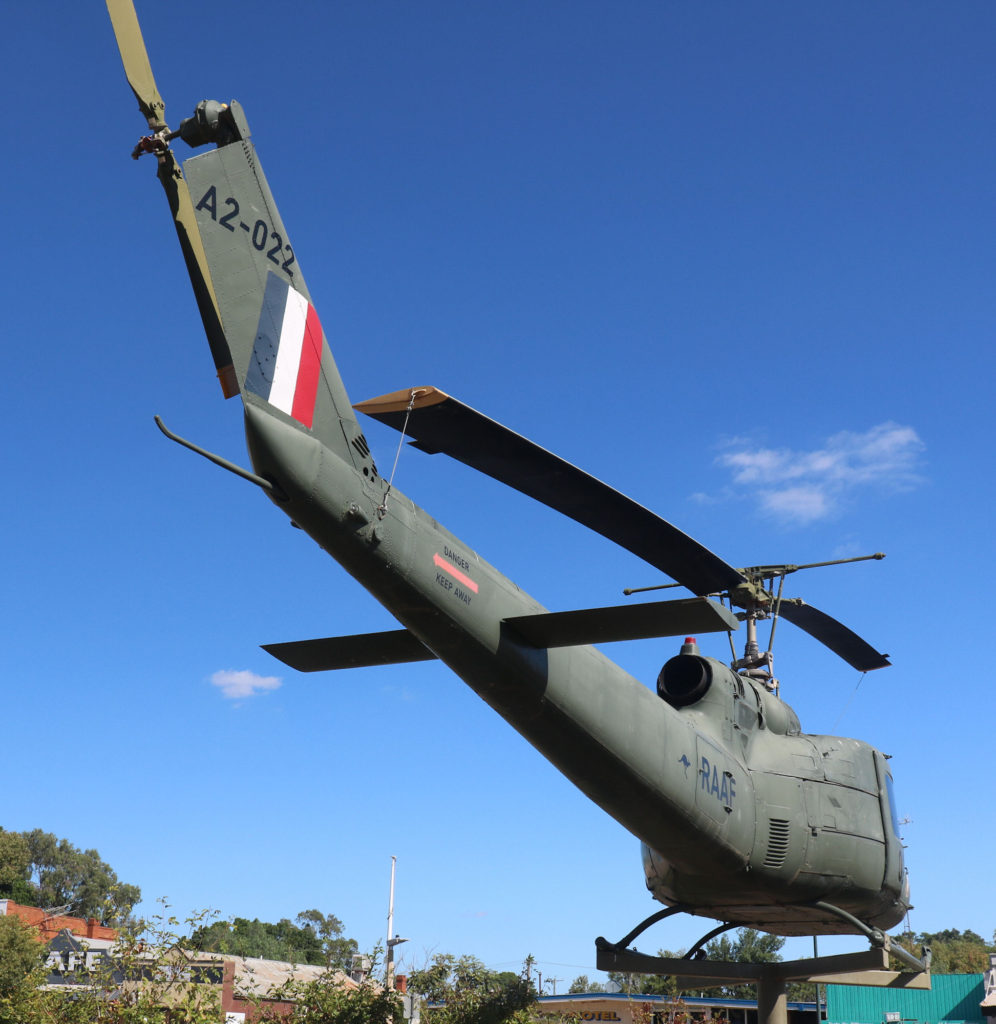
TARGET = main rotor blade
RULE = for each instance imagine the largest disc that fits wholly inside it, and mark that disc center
(842, 641)
(136, 62)
(624, 622)
(440, 423)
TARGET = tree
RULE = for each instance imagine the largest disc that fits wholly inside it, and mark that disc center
(952, 951)
(748, 946)
(338, 950)
(57, 874)
(467, 992)
(21, 972)
(15, 869)
(581, 984)
(315, 939)
(242, 937)
(648, 984)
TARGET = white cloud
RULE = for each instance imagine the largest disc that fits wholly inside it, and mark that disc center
(236, 685)
(802, 504)
(803, 486)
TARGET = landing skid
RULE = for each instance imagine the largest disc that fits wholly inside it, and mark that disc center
(870, 967)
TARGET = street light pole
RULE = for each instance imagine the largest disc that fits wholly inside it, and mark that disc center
(391, 940)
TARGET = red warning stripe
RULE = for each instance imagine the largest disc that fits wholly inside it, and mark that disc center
(452, 570)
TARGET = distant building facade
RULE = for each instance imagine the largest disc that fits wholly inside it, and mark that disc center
(989, 990)
(951, 999)
(78, 948)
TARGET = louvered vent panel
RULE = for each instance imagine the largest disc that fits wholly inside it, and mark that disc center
(778, 843)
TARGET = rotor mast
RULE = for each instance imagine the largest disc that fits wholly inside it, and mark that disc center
(757, 596)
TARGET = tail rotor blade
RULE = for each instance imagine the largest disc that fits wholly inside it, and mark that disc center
(138, 70)
(185, 222)
(136, 62)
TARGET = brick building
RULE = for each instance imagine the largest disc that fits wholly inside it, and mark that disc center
(50, 925)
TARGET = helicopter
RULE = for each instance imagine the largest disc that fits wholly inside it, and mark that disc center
(742, 817)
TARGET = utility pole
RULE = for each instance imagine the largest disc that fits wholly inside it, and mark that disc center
(819, 1010)
(391, 940)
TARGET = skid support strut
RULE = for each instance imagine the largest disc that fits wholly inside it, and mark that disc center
(869, 967)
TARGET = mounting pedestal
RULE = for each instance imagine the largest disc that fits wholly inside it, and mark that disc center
(870, 967)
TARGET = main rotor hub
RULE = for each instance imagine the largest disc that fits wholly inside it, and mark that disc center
(750, 595)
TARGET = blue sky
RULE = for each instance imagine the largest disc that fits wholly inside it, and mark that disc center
(736, 260)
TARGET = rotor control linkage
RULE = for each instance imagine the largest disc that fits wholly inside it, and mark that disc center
(211, 121)
(756, 573)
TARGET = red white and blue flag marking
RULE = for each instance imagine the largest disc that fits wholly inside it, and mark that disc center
(287, 354)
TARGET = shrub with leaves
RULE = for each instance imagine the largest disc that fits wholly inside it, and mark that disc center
(328, 1000)
(464, 991)
(21, 972)
(148, 978)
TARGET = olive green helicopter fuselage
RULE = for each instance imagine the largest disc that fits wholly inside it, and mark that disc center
(742, 816)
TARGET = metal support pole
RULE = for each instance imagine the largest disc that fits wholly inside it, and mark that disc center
(772, 1001)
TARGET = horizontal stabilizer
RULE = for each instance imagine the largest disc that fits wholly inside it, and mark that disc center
(624, 622)
(359, 651)
(842, 641)
(548, 629)
(441, 423)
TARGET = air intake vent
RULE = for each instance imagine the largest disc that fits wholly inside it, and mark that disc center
(684, 679)
(778, 843)
(360, 444)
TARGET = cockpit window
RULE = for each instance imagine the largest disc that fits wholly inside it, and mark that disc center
(892, 803)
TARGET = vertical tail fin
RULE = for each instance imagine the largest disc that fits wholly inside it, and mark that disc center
(280, 355)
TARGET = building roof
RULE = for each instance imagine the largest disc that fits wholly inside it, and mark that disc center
(257, 977)
(50, 925)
